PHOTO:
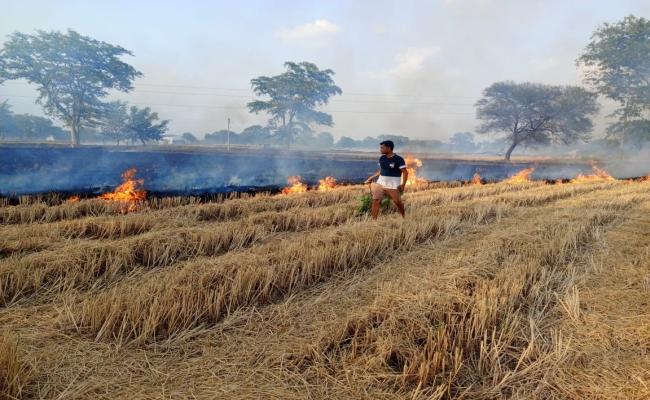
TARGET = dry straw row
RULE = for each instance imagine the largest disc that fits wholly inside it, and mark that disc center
(482, 338)
(204, 291)
(82, 265)
(22, 239)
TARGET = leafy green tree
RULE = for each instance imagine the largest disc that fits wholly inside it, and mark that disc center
(189, 138)
(255, 134)
(324, 140)
(142, 125)
(632, 134)
(295, 132)
(221, 137)
(115, 122)
(462, 141)
(616, 63)
(32, 127)
(429, 144)
(6, 119)
(91, 135)
(347, 142)
(72, 73)
(302, 136)
(293, 98)
(532, 114)
(398, 140)
(370, 142)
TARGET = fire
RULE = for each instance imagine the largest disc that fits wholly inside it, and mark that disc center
(327, 183)
(522, 176)
(130, 192)
(412, 164)
(73, 199)
(295, 186)
(559, 181)
(598, 175)
(476, 179)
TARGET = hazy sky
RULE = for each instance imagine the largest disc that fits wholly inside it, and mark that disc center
(406, 67)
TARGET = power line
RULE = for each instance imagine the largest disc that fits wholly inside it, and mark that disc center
(208, 106)
(331, 101)
(250, 90)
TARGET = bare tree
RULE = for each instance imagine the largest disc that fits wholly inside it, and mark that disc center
(532, 114)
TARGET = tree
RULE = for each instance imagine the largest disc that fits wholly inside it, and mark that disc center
(346, 142)
(32, 127)
(369, 142)
(294, 97)
(429, 145)
(462, 141)
(533, 114)
(616, 64)
(6, 119)
(115, 121)
(324, 140)
(290, 133)
(255, 134)
(72, 73)
(142, 127)
(189, 138)
(221, 137)
(634, 134)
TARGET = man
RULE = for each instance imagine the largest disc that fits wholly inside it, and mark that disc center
(392, 178)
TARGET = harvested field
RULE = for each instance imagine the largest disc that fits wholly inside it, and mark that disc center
(503, 290)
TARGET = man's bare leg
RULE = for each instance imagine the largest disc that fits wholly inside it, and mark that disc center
(394, 195)
(374, 211)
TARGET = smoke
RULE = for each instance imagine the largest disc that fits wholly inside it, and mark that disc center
(45, 169)
(631, 165)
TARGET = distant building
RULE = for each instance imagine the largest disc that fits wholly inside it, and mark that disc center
(173, 139)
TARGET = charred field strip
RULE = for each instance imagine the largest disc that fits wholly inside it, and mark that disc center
(480, 293)
(205, 172)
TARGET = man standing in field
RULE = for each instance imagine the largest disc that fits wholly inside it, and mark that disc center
(392, 178)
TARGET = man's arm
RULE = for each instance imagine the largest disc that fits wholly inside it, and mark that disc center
(373, 176)
(405, 178)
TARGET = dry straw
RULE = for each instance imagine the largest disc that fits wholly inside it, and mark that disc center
(203, 292)
(15, 373)
(484, 338)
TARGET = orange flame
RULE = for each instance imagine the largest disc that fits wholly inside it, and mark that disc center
(327, 183)
(476, 179)
(412, 164)
(130, 192)
(522, 176)
(295, 186)
(73, 199)
(598, 175)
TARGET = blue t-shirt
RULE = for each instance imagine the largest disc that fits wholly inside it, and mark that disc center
(391, 166)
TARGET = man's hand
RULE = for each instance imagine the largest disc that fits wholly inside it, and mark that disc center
(371, 177)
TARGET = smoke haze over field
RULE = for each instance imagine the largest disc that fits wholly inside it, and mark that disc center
(412, 68)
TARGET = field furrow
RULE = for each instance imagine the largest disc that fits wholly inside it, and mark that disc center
(222, 206)
(478, 336)
(203, 292)
(83, 264)
(480, 293)
(38, 236)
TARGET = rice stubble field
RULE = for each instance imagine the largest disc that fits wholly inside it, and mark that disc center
(501, 290)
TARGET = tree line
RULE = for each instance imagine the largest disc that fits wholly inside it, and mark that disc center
(74, 74)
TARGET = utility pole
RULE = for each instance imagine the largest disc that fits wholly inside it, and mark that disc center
(228, 134)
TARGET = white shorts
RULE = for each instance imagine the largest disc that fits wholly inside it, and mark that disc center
(389, 182)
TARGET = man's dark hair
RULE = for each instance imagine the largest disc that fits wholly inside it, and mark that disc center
(388, 143)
